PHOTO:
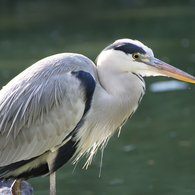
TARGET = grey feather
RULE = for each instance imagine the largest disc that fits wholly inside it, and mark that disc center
(28, 105)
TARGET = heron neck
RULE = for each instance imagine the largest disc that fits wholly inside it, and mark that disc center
(120, 84)
(116, 97)
(123, 92)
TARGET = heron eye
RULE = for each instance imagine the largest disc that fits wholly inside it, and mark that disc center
(135, 56)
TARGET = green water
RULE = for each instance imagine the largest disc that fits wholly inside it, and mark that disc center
(154, 154)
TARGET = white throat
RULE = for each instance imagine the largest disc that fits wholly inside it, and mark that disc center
(117, 96)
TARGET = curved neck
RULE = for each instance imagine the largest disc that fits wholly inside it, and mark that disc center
(120, 84)
(123, 92)
(116, 97)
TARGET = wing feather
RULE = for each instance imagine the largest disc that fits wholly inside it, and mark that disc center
(41, 106)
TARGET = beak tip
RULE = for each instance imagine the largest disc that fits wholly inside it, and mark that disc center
(170, 71)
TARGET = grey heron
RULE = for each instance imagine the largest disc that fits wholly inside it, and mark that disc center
(64, 106)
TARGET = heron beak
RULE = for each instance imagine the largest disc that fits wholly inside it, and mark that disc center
(170, 71)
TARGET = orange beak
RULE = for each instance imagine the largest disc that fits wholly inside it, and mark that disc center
(165, 69)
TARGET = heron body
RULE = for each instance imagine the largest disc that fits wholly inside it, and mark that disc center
(64, 106)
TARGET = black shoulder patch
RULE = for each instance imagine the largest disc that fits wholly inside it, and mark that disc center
(128, 48)
(88, 82)
(65, 153)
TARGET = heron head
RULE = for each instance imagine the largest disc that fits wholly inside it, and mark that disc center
(128, 55)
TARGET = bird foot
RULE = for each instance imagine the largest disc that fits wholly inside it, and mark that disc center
(16, 187)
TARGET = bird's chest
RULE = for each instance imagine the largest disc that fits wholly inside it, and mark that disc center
(111, 110)
(107, 113)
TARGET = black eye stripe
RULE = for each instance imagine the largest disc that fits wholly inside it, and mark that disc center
(127, 48)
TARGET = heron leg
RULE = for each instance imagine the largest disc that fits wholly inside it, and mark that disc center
(53, 183)
(16, 187)
(50, 160)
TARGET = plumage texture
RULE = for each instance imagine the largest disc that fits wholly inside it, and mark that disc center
(51, 109)
(38, 109)
(64, 106)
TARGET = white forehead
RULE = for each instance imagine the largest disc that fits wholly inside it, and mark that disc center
(148, 51)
